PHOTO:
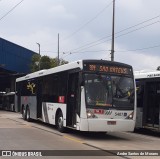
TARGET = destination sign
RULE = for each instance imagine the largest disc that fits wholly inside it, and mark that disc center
(107, 69)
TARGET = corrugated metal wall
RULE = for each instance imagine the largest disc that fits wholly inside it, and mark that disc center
(14, 57)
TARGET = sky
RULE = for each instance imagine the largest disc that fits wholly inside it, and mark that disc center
(85, 28)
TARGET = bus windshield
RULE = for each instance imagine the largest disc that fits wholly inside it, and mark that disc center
(109, 91)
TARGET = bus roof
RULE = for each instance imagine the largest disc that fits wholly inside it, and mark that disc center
(145, 75)
(72, 65)
(9, 93)
(69, 66)
(1, 93)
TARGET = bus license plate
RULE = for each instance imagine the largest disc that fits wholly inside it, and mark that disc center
(111, 122)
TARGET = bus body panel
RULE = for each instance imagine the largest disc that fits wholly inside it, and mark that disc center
(84, 126)
(102, 126)
(31, 102)
(78, 122)
(49, 111)
(106, 121)
(83, 104)
(139, 118)
(111, 113)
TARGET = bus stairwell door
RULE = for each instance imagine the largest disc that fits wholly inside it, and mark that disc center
(39, 99)
(72, 96)
(153, 105)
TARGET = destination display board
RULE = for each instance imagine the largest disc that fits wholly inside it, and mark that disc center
(104, 68)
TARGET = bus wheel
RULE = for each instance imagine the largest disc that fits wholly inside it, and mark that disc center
(60, 122)
(24, 113)
(28, 115)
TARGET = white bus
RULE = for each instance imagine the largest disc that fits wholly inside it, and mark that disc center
(148, 99)
(1, 99)
(9, 101)
(86, 95)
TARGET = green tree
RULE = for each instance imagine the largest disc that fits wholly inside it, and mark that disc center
(54, 62)
(62, 62)
(45, 62)
(35, 62)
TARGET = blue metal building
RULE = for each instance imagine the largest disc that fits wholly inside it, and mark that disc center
(14, 62)
(14, 57)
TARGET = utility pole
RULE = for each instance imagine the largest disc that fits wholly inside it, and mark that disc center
(113, 21)
(58, 51)
(39, 46)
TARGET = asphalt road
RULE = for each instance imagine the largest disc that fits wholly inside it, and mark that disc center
(23, 136)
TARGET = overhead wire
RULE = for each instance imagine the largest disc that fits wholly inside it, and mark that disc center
(143, 27)
(117, 36)
(82, 26)
(102, 39)
(79, 51)
(11, 10)
(145, 48)
(85, 52)
(139, 49)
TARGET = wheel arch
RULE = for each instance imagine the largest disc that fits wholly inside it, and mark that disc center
(22, 107)
(56, 115)
(28, 118)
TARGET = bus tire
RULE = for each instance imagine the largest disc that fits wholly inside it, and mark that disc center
(24, 113)
(28, 114)
(59, 122)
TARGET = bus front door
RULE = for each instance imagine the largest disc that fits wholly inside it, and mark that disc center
(157, 107)
(153, 105)
(72, 96)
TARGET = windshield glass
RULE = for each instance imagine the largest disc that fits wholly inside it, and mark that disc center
(106, 90)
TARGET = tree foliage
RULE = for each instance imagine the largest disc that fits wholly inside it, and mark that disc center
(44, 62)
(35, 62)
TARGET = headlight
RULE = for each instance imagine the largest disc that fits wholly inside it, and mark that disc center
(90, 114)
(130, 116)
